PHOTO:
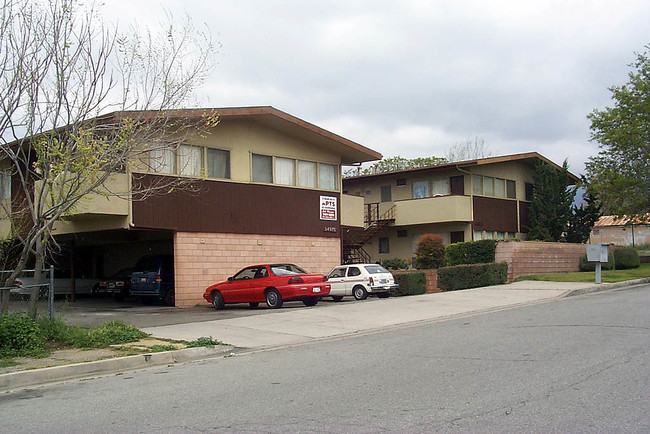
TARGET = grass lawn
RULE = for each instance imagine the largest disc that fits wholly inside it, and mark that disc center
(609, 276)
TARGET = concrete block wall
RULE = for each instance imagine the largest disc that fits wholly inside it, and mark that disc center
(536, 257)
(202, 259)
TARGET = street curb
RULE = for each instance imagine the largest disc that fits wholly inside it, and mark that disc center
(605, 287)
(41, 376)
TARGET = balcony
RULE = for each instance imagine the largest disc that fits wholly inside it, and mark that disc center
(433, 210)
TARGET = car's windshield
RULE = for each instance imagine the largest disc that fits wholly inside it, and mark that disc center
(286, 269)
(375, 269)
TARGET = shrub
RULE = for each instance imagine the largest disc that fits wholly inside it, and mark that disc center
(591, 266)
(470, 252)
(395, 264)
(430, 252)
(410, 284)
(472, 276)
(626, 257)
(20, 336)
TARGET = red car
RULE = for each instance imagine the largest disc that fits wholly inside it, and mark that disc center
(272, 283)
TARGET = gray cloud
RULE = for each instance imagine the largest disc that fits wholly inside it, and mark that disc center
(414, 77)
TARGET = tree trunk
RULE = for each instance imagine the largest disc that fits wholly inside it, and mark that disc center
(38, 268)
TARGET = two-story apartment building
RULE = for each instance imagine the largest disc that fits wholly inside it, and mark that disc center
(268, 189)
(460, 201)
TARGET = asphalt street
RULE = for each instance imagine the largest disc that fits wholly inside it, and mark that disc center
(577, 364)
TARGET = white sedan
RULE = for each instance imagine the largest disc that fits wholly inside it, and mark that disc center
(360, 280)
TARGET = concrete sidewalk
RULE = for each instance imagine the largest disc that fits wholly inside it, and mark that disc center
(287, 327)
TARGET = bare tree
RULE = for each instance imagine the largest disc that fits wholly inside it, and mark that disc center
(82, 103)
(470, 149)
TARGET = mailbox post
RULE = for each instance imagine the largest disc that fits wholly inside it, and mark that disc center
(598, 253)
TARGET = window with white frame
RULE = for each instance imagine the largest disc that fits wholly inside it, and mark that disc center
(190, 159)
(285, 171)
(218, 163)
(163, 160)
(440, 187)
(262, 168)
(306, 174)
(494, 187)
(327, 176)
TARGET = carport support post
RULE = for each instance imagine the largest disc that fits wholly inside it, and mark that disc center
(51, 293)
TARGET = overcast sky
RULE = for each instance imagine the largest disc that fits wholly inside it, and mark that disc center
(413, 78)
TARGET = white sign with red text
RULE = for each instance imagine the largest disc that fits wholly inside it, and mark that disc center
(328, 208)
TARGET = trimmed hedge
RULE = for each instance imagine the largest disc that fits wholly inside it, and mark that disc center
(395, 264)
(410, 284)
(591, 266)
(626, 257)
(472, 276)
(470, 252)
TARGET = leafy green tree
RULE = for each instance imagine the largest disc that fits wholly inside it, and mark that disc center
(582, 220)
(550, 207)
(620, 175)
(62, 69)
(395, 164)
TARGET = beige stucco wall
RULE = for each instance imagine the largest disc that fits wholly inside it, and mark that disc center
(202, 259)
(352, 210)
(433, 210)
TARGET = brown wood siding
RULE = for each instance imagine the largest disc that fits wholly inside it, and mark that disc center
(228, 207)
(493, 214)
(524, 219)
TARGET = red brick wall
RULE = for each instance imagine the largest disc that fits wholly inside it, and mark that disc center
(201, 259)
(536, 257)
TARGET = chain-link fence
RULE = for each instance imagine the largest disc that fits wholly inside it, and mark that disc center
(20, 292)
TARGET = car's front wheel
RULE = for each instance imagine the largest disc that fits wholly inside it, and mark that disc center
(217, 300)
(359, 292)
(311, 301)
(273, 299)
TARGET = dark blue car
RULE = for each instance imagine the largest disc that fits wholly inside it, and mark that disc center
(153, 279)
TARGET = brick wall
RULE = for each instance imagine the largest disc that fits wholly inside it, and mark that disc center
(536, 257)
(201, 259)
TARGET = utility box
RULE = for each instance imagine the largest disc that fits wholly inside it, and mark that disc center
(597, 253)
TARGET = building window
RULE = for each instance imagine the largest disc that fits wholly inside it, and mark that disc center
(529, 192)
(384, 246)
(285, 171)
(499, 187)
(478, 235)
(218, 163)
(402, 233)
(306, 174)
(401, 182)
(327, 176)
(190, 159)
(420, 189)
(386, 195)
(262, 168)
(511, 188)
(440, 187)
(163, 160)
(477, 184)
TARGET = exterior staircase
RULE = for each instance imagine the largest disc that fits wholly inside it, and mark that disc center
(354, 239)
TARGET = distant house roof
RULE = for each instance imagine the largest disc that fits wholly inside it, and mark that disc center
(351, 152)
(610, 220)
(530, 158)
